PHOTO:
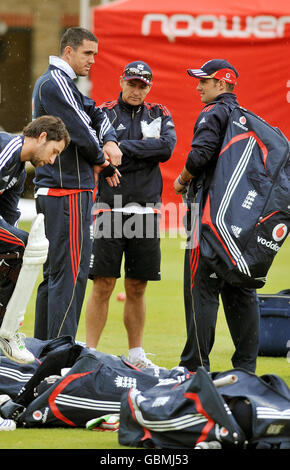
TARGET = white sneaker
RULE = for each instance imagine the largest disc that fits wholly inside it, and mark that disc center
(4, 398)
(142, 362)
(7, 424)
(15, 349)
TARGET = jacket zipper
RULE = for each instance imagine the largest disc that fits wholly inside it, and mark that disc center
(263, 219)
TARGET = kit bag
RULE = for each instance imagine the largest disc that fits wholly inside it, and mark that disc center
(178, 417)
(14, 376)
(261, 406)
(246, 215)
(77, 384)
(275, 324)
(249, 413)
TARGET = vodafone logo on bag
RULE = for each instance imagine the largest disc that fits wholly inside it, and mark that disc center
(268, 244)
(279, 232)
(37, 415)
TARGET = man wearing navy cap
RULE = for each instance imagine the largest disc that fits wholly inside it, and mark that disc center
(146, 137)
(216, 81)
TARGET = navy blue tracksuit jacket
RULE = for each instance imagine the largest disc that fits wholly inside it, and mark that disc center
(64, 195)
(12, 239)
(141, 181)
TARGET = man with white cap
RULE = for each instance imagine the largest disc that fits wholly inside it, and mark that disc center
(217, 79)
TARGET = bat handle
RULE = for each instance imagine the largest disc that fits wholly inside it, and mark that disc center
(227, 380)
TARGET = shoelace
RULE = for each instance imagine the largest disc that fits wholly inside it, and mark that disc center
(145, 362)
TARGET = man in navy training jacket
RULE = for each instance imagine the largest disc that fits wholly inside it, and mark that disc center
(216, 81)
(64, 191)
(40, 143)
(127, 216)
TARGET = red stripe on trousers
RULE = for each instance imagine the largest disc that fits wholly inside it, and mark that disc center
(70, 236)
(77, 233)
(194, 256)
(74, 234)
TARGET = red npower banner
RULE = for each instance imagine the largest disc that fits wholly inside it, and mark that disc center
(171, 36)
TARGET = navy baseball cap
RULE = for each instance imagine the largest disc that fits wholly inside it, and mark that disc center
(217, 68)
(138, 70)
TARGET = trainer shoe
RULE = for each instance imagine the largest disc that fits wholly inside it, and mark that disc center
(15, 349)
(142, 362)
(3, 399)
(109, 422)
(7, 424)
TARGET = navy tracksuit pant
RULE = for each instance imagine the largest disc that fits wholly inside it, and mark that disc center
(202, 289)
(60, 296)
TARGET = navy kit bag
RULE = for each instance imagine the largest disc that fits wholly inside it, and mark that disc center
(246, 216)
(178, 417)
(14, 376)
(275, 324)
(76, 384)
(249, 413)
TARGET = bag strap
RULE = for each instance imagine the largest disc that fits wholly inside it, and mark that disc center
(284, 292)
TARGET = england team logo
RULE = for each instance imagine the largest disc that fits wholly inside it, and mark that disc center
(279, 232)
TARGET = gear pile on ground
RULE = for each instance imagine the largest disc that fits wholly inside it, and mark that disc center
(69, 385)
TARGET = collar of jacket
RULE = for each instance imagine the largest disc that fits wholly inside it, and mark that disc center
(226, 97)
(62, 65)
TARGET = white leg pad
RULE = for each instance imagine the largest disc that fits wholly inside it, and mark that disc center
(35, 255)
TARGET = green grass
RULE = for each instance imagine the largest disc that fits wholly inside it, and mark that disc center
(164, 337)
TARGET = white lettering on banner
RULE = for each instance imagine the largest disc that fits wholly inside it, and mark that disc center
(288, 93)
(261, 26)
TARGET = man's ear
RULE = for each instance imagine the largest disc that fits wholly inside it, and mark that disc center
(67, 51)
(41, 139)
(222, 84)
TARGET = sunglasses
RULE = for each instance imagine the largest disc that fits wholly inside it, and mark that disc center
(133, 72)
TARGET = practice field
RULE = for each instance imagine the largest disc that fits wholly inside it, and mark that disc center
(164, 338)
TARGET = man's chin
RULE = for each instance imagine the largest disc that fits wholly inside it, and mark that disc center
(36, 164)
(134, 102)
